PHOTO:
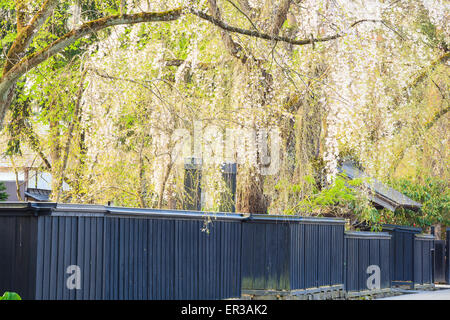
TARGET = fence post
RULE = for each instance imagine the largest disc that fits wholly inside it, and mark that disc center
(192, 184)
(447, 255)
(433, 265)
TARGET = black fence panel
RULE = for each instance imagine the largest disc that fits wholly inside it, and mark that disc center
(286, 253)
(265, 252)
(439, 261)
(402, 253)
(18, 232)
(88, 252)
(44, 250)
(70, 247)
(51, 251)
(316, 254)
(423, 259)
(163, 258)
(367, 261)
(141, 258)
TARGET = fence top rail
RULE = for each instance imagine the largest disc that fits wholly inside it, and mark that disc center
(367, 235)
(63, 209)
(424, 236)
(272, 218)
(20, 208)
(181, 214)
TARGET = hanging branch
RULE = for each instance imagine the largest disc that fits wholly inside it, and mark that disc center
(17, 65)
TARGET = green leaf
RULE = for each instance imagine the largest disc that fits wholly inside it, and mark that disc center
(10, 296)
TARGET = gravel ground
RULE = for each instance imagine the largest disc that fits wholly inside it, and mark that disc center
(442, 294)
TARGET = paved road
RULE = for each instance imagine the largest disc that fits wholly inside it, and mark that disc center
(423, 295)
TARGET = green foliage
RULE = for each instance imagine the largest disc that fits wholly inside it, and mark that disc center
(433, 193)
(53, 28)
(7, 28)
(10, 296)
(433, 36)
(337, 193)
(3, 195)
(344, 198)
(152, 95)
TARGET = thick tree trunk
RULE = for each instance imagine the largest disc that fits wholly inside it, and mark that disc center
(250, 196)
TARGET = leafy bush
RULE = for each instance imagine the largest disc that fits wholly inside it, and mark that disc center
(343, 198)
(3, 195)
(10, 296)
(434, 195)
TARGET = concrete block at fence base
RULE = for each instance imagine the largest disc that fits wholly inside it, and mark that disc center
(321, 293)
(402, 285)
(268, 297)
(336, 294)
(427, 286)
(369, 294)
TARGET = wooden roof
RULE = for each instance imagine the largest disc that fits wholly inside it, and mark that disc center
(380, 194)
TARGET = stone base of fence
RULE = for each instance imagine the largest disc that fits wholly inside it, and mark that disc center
(426, 286)
(413, 286)
(370, 294)
(325, 293)
(322, 293)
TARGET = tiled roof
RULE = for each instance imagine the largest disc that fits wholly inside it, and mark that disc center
(38, 194)
(380, 194)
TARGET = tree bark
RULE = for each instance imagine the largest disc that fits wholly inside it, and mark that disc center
(26, 33)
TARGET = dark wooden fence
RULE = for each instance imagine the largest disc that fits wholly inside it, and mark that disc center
(92, 252)
(57, 251)
(402, 253)
(285, 253)
(423, 259)
(367, 261)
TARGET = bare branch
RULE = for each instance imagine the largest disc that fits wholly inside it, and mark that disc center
(12, 72)
(90, 27)
(265, 36)
(87, 28)
(243, 13)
